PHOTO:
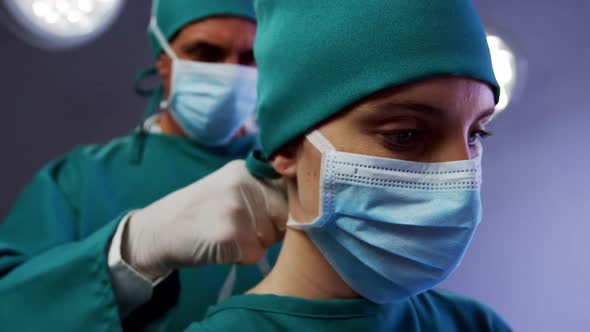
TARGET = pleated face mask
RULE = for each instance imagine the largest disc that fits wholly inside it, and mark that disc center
(393, 229)
(212, 101)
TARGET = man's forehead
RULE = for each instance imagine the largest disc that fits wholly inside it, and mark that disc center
(222, 31)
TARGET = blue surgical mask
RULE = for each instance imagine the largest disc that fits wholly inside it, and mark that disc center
(209, 101)
(393, 229)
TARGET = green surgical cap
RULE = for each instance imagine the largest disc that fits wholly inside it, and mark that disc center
(316, 57)
(173, 15)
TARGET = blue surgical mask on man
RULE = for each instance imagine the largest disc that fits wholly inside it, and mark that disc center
(209, 101)
(410, 224)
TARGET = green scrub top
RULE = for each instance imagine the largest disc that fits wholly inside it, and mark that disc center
(53, 262)
(435, 310)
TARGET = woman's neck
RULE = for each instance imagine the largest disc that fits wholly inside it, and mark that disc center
(302, 271)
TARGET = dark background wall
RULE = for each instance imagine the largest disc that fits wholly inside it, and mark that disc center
(530, 259)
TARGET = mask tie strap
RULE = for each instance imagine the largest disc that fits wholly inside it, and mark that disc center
(228, 286)
(264, 265)
(139, 139)
(155, 29)
(140, 77)
(161, 39)
(230, 281)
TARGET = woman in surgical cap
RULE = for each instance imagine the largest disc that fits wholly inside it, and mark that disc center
(373, 112)
(77, 255)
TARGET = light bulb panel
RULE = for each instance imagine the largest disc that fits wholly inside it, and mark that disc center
(61, 23)
(509, 70)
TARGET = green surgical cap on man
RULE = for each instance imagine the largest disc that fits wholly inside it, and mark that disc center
(316, 57)
(173, 15)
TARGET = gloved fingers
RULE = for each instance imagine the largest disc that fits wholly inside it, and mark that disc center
(275, 202)
(279, 185)
(199, 251)
(258, 223)
(251, 249)
(266, 200)
(266, 232)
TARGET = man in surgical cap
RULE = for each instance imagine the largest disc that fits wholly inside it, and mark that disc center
(76, 253)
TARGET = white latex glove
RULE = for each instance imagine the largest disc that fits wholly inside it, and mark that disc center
(227, 217)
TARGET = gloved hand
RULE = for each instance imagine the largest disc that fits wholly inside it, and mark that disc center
(227, 217)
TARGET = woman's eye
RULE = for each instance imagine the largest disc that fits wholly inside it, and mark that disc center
(403, 137)
(476, 135)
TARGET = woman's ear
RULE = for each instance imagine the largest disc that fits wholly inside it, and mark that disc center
(285, 161)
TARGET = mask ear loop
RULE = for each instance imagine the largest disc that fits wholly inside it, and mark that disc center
(154, 28)
(320, 142)
(324, 146)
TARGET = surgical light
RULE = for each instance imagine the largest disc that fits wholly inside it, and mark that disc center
(58, 24)
(508, 69)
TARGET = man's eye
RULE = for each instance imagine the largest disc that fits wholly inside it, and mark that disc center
(210, 55)
(206, 53)
(476, 135)
(247, 59)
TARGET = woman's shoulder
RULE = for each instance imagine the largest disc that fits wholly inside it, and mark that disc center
(269, 313)
(446, 308)
(245, 313)
(435, 310)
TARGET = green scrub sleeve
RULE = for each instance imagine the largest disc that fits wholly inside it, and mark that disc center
(50, 280)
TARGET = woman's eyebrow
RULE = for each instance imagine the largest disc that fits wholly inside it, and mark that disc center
(423, 108)
(486, 114)
(410, 106)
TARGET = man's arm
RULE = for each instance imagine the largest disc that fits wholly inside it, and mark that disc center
(49, 278)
